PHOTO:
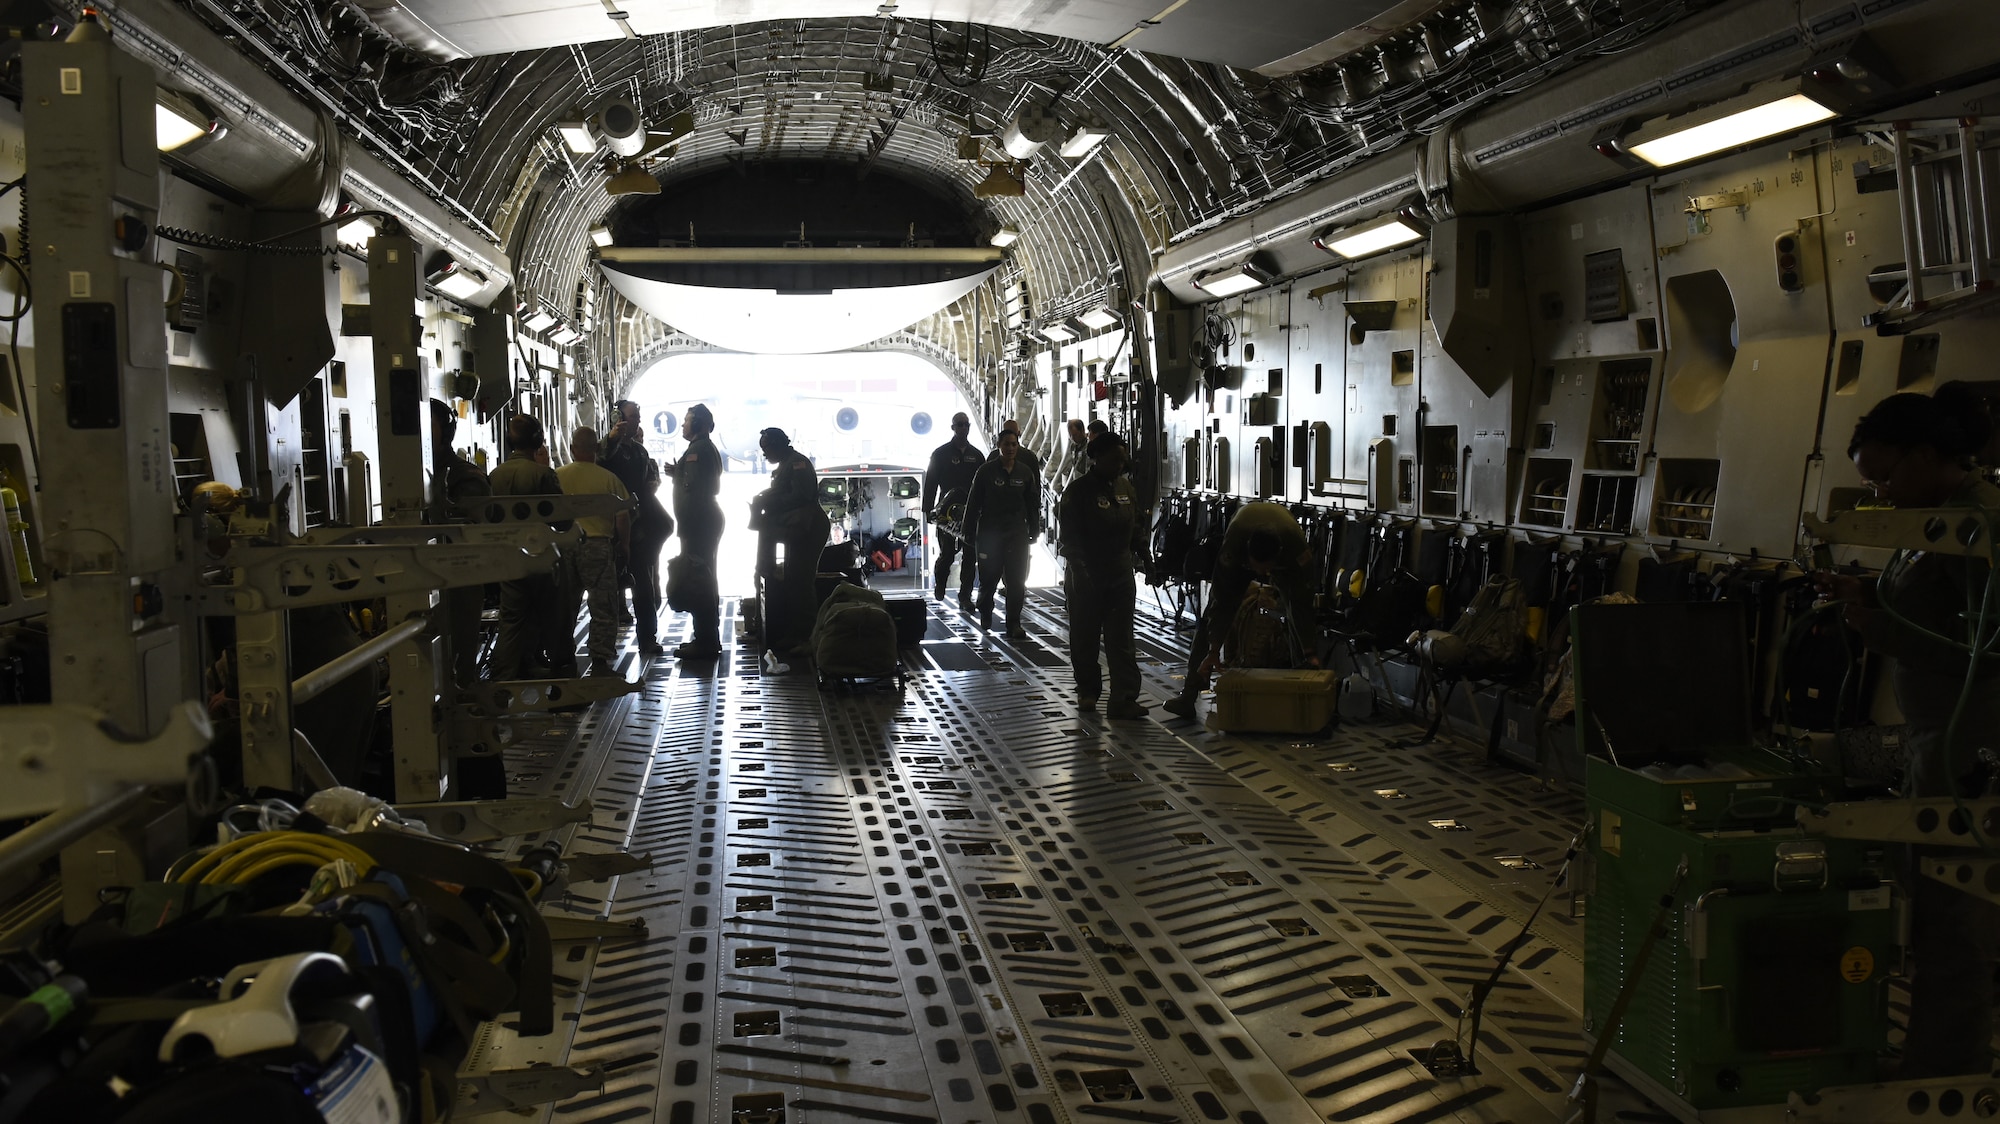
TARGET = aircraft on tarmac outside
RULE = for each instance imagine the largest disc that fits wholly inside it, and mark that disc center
(882, 424)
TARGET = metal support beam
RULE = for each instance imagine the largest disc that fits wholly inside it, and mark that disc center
(475, 734)
(525, 696)
(57, 756)
(290, 577)
(483, 821)
(1979, 877)
(264, 699)
(597, 867)
(1895, 1100)
(107, 489)
(26, 848)
(1906, 193)
(1939, 822)
(1938, 530)
(310, 685)
(521, 1090)
(107, 499)
(1975, 200)
(402, 416)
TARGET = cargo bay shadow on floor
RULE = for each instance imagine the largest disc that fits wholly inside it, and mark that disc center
(971, 902)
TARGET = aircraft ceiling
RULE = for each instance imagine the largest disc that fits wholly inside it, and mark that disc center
(886, 89)
(1251, 36)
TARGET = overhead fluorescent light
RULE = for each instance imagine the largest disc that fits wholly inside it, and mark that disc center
(565, 336)
(171, 130)
(1056, 332)
(1766, 111)
(1085, 138)
(355, 233)
(1397, 228)
(1099, 318)
(454, 280)
(1005, 236)
(181, 120)
(577, 136)
(538, 321)
(1230, 281)
(600, 235)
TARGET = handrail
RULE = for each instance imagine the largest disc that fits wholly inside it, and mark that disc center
(60, 828)
(315, 682)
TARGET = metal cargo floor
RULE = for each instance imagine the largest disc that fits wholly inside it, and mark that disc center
(970, 904)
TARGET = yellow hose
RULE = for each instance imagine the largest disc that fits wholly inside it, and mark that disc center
(230, 861)
(319, 848)
(259, 869)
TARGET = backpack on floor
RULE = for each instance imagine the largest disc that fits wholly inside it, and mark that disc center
(1260, 635)
(854, 636)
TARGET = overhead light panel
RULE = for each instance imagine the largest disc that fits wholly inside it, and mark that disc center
(1099, 318)
(600, 235)
(1233, 280)
(183, 120)
(565, 335)
(630, 179)
(577, 136)
(1005, 236)
(1397, 228)
(1769, 110)
(447, 276)
(538, 321)
(355, 232)
(1056, 332)
(1085, 137)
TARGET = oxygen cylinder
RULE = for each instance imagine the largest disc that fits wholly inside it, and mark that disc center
(17, 531)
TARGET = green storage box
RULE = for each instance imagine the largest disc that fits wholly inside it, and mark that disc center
(1772, 976)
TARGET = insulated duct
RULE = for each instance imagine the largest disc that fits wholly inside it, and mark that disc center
(622, 129)
(409, 29)
(273, 148)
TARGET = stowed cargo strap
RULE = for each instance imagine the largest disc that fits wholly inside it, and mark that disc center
(473, 981)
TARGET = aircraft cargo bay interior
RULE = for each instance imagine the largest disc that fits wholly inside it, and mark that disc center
(976, 562)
